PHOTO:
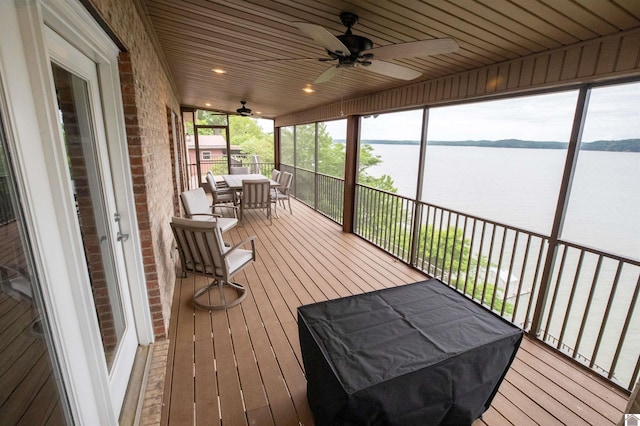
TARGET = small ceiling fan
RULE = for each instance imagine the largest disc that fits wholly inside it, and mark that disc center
(350, 50)
(243, 110)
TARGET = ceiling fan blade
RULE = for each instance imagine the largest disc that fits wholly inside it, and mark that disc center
(327, 75)
(392, 70)
(414, 49)
(283, 60)
(323, 37)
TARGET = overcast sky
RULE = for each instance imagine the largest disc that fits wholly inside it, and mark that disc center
(614, 113)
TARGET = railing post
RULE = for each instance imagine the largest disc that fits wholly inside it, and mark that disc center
(350, 172)
(315, 167)
(295, 165)
(417, 209)
(276, 148)
(561, 207)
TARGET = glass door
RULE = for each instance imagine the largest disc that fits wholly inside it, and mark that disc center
(78, 99)
(30, 388)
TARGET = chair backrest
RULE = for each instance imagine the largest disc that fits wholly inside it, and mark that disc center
(195, 201)
(275, 175)
(211, 179)
(238, 170)
(255, 163)
(200, 246)
(256, 194)
(212, 183)
(286, 180)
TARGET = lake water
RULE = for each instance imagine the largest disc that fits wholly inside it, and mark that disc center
(519, 187)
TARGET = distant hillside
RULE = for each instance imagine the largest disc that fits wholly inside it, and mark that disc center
(625, 145)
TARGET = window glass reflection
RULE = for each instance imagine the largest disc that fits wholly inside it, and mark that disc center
(30, 392)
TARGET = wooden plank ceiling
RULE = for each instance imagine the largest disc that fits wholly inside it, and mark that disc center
(269, 61)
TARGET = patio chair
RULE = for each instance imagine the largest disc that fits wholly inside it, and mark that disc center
(224, 197)
(256, 194)
(238, 170)
(281, 193)
(255, 164)
(196, 206)
(203, 252)
(275, 175)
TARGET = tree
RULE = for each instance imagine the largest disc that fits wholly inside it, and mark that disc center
(249, 136)
(331, 155)
(368, 159)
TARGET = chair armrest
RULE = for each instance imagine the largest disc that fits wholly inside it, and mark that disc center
(205, 214)
(226, 206)
(251, 239)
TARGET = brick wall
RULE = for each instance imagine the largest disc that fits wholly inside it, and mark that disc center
(147, 94)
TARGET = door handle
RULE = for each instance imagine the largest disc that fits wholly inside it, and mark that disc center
(122, 237)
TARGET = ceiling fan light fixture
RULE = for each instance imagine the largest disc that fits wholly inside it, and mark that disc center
(243, 110)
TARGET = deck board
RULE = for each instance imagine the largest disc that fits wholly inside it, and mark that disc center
(28, 389)
(259, 375)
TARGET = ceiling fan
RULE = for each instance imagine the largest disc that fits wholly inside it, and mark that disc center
(243, 110)
(350, 50)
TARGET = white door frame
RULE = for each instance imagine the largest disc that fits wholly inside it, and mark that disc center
(32, 126)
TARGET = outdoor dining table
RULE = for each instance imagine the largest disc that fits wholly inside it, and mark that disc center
(235, 181)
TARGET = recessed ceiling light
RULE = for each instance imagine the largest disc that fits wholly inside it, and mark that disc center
(308, 89)
(207, 104)
(259, 112)
(218, 71)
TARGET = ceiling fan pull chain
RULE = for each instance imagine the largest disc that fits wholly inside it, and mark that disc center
(341, 91)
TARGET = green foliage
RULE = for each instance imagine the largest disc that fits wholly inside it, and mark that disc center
(243, 131)
(331, 155)
(367, 159)
(249, 136)
(384, 182)
(443, 249)
(211, 118)
(487, 300)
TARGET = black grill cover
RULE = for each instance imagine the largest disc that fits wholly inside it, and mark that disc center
(418, 354)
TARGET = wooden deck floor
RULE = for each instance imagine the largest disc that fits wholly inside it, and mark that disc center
(243, 365)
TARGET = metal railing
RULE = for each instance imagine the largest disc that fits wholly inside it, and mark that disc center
(321, 192)
(305, 186)
(590, 312)
(218, 166)
(591, 309)
(330, 196)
